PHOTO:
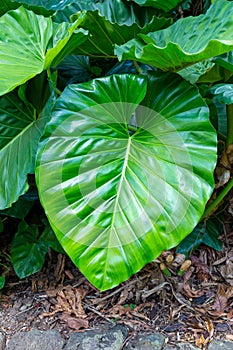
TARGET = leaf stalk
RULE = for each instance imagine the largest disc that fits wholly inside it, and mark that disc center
(218, 200)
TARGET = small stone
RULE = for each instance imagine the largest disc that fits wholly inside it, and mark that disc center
(222, 327)
(110, 339)
(2, 341)
(36, 340)
(220, 345)
(183, 346)
(153, 341)
(187, 347)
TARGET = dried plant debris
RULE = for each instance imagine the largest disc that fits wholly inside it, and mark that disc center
(193, 302)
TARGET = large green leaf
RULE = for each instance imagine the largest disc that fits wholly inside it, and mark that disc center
(23, 205)
(28, 250)
(19, 135)
(31, 43)
(186, 42)
(7, 5)
(74, 69)
(112, 23)
(204, 233)
(45, 7)
(160, 4)
(124, 171)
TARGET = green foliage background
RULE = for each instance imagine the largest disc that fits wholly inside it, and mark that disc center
(110, 113)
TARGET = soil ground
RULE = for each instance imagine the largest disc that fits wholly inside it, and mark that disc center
(196, 307)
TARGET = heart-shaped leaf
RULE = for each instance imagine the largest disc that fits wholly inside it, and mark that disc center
(204, 233)
(185, 42)
(122, 171)
(28, 250)
(31, 43)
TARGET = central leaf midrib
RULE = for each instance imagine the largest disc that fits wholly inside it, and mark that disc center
(120, 183)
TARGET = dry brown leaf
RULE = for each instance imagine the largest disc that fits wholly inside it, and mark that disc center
(230, 314)
(191, 293)
(229, 337)
(68, 299)
(59, 269)
(69, 274)
(73, 322)
(124, 295)
(229, 292)
(200, 341)
(223, 176)
(220, 301)
(230, 153)
(210, 327)
(227, 271)
(202, 269)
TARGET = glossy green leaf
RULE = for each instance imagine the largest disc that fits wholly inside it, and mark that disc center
(223, 93)
(122, 171)
(23, 205)
(111, 23)
(30, 43)
(43, 7)
(20, 132)
(49, 237)
(215, 74)
(27, 250)
(74, 69)
(2, 281)
(186, 42)
(204, 233)
(160, 4)
(194, 72)
(7, 5)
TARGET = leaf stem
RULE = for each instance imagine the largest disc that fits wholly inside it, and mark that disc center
(229, 124)
(132, 128)
(137, 67)
(51, 81)
(218, 200)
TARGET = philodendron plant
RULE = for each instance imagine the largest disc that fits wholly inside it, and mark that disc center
(121, 144)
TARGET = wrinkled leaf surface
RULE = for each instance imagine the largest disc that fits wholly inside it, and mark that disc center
(186, 42)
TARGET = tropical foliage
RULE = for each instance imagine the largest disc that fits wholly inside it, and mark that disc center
(105, 111)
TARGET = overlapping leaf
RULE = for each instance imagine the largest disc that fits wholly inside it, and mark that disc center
(225, 61)
(122, 182)
(19, 135)
(31, 43)
(28, 250)
(160, 4)
(39, 6)
(112, 23)
(223, 93)
(185, 42)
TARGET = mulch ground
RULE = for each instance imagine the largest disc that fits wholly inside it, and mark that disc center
(195, 307)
